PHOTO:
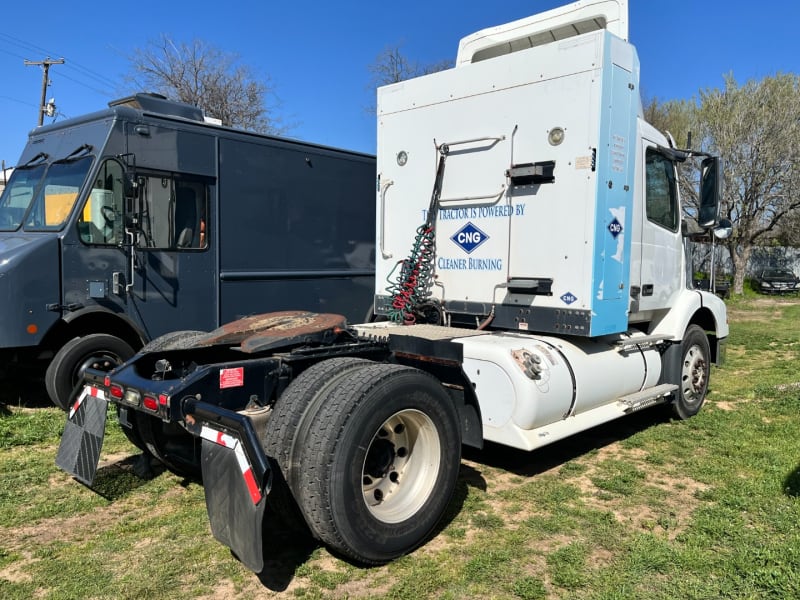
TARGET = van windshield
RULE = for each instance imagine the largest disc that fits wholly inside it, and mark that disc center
(18, 195)
(42, 197)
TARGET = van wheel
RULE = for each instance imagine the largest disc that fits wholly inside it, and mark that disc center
(175, 340)
(97, 351)
(380, 462)
(694, 373)
(287, 429)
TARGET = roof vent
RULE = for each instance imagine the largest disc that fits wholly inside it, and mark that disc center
(156, 103)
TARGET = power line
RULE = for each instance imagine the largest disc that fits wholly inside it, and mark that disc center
(79, 69)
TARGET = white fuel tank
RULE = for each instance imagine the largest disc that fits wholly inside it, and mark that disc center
(526, 382)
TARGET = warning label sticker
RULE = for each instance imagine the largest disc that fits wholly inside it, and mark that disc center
(229, 378)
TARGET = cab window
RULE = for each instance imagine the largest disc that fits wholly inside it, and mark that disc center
(661, 199)
(172, 212)
(101, 220)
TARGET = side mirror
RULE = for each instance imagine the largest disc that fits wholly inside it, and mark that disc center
(709, 191)
(723, 230)
(130, 186)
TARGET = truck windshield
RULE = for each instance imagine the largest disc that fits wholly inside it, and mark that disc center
(18, 195)
(56, 195)
(41, 197)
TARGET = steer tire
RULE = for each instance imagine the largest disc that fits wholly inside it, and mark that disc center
(380, 462)
(98, 351)
(291, 415)
(695, 368)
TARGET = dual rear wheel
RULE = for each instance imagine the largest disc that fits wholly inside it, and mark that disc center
(369, 456)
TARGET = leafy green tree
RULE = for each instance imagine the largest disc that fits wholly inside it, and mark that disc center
(754, 128)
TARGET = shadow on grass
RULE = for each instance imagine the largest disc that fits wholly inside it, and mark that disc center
(791, 486)
(25, 391)
(285, 549)
(530, 463)
(118, 479)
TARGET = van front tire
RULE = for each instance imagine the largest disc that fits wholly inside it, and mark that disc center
(97, 351)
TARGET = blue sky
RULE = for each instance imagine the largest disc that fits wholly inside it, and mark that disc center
(317, 54)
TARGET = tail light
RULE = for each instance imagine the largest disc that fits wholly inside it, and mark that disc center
(114, 389)
(150, 403)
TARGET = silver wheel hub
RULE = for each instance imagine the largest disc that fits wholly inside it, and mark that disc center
(401, 466)
(693, 374)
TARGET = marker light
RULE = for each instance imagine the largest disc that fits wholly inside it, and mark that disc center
(556, 136)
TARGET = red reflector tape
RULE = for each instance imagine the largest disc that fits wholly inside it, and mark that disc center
(77, 404)
(228, 441)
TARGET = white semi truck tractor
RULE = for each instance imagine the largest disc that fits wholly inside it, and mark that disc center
(532, 282)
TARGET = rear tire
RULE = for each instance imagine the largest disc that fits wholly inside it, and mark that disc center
(381, 462)
(287, 430)
(695, 368)
(98, 351)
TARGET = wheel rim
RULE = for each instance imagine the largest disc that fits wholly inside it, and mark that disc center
(694, 375)
(101, 361)
(401, 466)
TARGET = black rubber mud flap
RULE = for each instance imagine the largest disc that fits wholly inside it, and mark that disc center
(83, 435)
(234, 500)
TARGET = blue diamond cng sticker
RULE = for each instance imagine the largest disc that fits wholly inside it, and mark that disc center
(469, 237)
(568, 298)
(615, 227)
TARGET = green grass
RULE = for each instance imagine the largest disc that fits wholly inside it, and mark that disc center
(645, 507)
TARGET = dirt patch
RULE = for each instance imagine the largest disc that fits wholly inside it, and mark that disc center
(767, 308)
(17, 572)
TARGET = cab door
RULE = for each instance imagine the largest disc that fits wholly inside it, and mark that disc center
(660, 272)
(94, 259)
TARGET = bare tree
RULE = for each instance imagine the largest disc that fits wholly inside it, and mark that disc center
(393, 66)
(205, 76)
(754, 128)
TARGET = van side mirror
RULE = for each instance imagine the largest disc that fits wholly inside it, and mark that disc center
(709, 191)
(130, 186)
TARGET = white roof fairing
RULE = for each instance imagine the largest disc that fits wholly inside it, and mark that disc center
(560, 23)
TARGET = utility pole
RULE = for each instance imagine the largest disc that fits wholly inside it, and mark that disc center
(45, 64)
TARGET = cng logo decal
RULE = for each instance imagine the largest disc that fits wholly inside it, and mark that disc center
(615, 227)
(568, 298)
(469, 237)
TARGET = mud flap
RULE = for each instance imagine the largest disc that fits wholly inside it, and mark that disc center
(83, 435)
(234, 500)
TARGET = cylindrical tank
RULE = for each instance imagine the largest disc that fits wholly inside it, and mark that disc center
(532, 380)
